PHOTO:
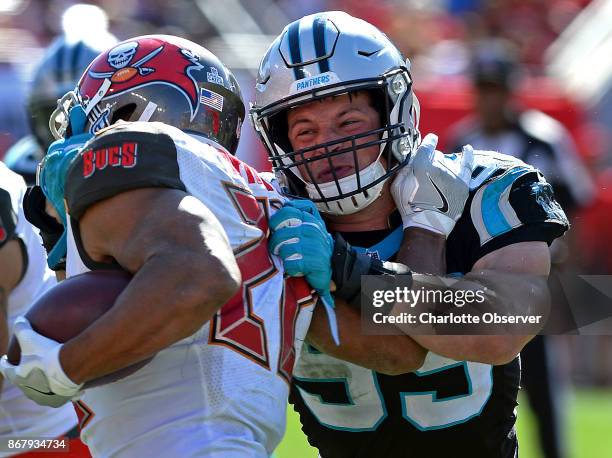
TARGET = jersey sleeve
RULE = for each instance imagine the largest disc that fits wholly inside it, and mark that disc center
(515, 204)
(119, 160)
(8, 218)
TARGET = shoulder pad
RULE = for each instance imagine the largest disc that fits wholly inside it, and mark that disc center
(125, 157)
(513, 197)
(490, 164)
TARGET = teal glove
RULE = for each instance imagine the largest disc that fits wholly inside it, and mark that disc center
(52, 175)
(52, 179)
(300, 239)
(52, 170)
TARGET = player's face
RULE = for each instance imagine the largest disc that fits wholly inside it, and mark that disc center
(491, 103)
(332, 119)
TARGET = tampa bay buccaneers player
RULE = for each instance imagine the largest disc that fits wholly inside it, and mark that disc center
(336, 110)
(162, 197)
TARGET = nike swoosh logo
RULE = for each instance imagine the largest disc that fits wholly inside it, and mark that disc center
(48, 393)
(444, 207)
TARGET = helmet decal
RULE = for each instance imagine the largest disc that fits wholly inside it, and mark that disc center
(213, 76)
(125, 66)
(120, 57)
(319, 47)
(195, 66)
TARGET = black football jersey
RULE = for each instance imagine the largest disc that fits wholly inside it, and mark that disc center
(447, 407)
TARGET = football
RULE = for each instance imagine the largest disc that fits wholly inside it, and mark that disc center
(123, 75)
(70, 307)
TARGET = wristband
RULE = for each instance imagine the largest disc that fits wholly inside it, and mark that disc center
(348, 266)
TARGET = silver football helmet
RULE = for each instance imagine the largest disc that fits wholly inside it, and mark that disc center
(324, 55)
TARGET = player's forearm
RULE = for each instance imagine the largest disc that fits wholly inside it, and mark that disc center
(502, 293)
(423, 251)
(162, 304)
(487, 349)
(387, 354)
(11, 270)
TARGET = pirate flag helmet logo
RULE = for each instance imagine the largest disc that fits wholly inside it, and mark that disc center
(158, 78)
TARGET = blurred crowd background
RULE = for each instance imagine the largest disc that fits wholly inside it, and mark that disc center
(555, 58)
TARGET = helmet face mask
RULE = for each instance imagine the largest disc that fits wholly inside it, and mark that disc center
(162, 78)
(39, 115)
(360, 59)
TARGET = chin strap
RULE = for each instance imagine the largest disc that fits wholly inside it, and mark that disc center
(354, 203)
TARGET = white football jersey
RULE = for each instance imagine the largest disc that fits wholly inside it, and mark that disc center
(19, 416)
(221, 392)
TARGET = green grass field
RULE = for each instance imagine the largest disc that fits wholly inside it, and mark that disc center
(589, 429)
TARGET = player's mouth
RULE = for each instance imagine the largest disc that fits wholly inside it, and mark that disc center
(327, 174)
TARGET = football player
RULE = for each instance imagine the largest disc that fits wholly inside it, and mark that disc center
(23, 277)
(337, 113)
(163, 197)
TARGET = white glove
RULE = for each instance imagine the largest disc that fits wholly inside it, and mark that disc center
(39, 373)
(431, 191)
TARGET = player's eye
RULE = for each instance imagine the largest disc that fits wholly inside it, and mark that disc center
(304, 132)
(350, 123)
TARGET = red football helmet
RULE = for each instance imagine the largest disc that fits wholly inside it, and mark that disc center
(158, 78)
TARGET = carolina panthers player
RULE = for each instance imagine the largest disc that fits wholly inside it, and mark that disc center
(57, 73)
(336, 111)
(163, 197)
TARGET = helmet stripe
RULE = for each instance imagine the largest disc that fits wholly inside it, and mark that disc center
(318, 32)
(294, 49)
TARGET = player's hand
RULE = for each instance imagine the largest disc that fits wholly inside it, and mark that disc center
(39, 373)
(34, 209)
(300, 239)
(431, 191)
(51, 179)
(54, 166)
